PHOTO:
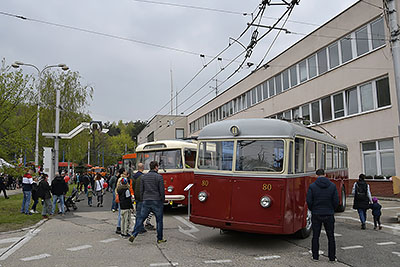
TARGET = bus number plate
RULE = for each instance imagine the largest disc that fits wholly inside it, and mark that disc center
(204, 183)
(267, 187)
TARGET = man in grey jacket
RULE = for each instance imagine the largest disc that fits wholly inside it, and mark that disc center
(152, 193)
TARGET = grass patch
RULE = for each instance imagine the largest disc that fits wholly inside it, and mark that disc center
(11, 217)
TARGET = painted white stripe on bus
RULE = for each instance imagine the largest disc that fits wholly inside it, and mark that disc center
(386, 243)
(352, 247)
(37, 257)
(165, 264)
(218, 261)
(79, 248)
(19, 244)
(108, 240)
(267, 257)
(10, 240)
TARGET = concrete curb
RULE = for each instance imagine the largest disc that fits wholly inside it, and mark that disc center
(39, 223)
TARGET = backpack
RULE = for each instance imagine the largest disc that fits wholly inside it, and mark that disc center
(40, 190)
(361, 190)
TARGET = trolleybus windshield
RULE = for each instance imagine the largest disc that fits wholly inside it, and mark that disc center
(168, 159)
(216, 155)
(260, 155)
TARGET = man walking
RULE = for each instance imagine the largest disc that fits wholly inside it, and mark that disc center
(58, 188)
(152, 193)
(27, 182)
(322, 200)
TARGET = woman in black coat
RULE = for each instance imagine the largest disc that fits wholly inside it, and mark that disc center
(362, 198)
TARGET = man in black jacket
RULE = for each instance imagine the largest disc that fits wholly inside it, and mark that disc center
(322, 200)
(58, 188)
(152, 192)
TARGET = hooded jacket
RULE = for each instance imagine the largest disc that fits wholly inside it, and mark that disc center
(322, 197)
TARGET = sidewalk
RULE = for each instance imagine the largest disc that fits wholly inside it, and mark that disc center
(12, 192)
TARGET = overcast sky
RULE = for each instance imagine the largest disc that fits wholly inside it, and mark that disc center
(126, 49)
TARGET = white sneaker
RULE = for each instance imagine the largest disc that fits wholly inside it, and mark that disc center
(32, 211)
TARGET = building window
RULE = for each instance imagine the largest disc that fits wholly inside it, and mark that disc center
(322, 61)
(303, 71)
(347, 51)
(253, 96)
(326, 109)
(271, 87)
(179, 133)
(378, 158)
(312, 66)
(305, 113)
(265, 90)
(362, 41)
(315, 112)
(248, 99)
(377, 33)
(150, 137)
(352, 101)
(285, 78)
(383, 92)
(296, 113)
(333, 55)
(367, 101)
(293, 76)
(259, 93)
(278, 84)
(287, 115)
(338, 105)
(244, 101)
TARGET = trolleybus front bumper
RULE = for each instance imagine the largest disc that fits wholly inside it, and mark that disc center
(169, 198)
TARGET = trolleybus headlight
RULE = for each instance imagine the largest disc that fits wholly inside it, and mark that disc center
(170, 189)
(265, 202)
(202, 196)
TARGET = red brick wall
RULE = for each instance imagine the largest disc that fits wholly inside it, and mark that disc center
(378, 188)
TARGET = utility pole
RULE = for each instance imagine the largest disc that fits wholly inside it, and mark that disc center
(395, 47)
(57, 130)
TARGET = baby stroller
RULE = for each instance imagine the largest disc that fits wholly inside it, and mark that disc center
(70, 201)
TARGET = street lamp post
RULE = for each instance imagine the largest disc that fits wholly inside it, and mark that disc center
(17, 64)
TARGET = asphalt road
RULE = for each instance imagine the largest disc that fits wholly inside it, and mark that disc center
(87, 237)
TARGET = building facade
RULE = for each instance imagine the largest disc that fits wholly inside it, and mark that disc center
(339, 78)
(164, 127)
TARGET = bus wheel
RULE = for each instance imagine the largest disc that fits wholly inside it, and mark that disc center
(342, 206)
(306, 231)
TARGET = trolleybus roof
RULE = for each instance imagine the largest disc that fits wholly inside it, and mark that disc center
(259, 128)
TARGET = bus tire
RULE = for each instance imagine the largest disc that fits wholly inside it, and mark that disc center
(342, 206)
(306, 231)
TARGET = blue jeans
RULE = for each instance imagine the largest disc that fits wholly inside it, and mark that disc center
(155, 206)
(114, 205)
(139, 206)
(119, 217)
(363, 215)
(329, 224)
(61, 198)
(26, 201)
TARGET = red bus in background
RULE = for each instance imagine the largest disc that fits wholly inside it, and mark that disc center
(129, 162)
(176, 160)
(252, 175)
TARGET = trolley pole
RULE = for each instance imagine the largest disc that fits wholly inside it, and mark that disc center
(395, 47)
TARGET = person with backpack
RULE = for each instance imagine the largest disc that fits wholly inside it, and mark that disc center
(362, 198)
(125, 202)
(44, 192)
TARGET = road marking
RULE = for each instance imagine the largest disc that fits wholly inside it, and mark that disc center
(165, 264)
(396, 253)
(218, 261)
(391, 208)
(386, 243)
(108, 240)
(10, 240)
(37, 257)
(335, 234)
(267, 257)
(352, 247)
(371, 223)
(79, 248)
(14, 247)
(189, 232)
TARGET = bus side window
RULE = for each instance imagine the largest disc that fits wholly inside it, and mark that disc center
(321, 156)
(290, 161)
(310, 156)
(329, 157)
(299, 155)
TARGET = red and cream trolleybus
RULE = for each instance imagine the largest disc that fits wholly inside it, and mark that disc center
(176, 160)
(252, 175)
